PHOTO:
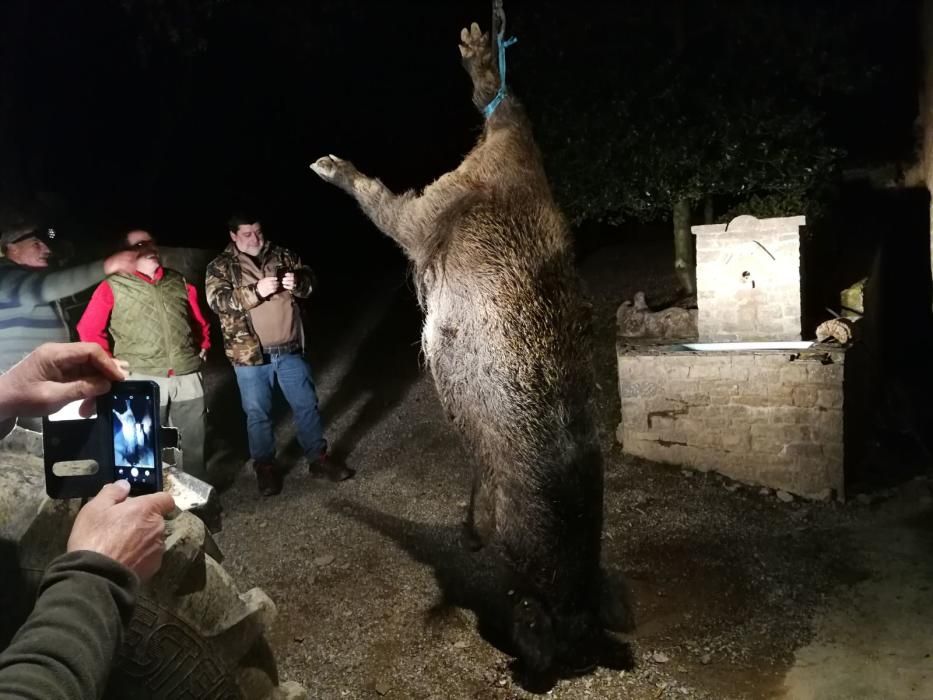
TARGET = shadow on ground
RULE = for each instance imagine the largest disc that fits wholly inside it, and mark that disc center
(476, 581)
(383, 368)
(364, 382)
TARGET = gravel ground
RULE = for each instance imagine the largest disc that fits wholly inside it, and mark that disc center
(377, 599)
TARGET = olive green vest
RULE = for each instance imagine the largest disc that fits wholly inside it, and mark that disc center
(151, 324)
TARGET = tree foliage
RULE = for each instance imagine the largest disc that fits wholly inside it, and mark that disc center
(727, 102)
(181, 25)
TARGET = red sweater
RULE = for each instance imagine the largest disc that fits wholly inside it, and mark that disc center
(92, 328)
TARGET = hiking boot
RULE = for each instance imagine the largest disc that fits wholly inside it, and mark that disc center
(327, 467)
(268, 478)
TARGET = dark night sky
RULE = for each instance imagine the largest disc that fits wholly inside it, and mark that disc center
(123, 135)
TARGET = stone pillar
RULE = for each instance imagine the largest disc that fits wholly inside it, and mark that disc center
(748, 279)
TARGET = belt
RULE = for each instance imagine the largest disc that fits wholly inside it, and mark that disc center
(276, 350)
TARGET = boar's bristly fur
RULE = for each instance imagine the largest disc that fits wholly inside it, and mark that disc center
(506, 335)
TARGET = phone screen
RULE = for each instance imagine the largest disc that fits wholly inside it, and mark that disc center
(136, 457)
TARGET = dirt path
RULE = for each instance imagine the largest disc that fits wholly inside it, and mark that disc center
(874, 639)
(377, 599)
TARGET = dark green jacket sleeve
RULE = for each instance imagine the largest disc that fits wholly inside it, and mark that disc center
(66, 648)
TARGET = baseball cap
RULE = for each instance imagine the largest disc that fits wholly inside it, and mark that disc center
(21, 233)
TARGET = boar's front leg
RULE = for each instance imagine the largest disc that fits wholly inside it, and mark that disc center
(384, 207)
(480, 525)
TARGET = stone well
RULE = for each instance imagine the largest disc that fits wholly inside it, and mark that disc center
(768, 417)
(757, 404)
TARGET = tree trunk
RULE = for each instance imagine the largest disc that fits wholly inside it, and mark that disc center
(678, 10)
(926, 108)
(709, 213)
(685, 265)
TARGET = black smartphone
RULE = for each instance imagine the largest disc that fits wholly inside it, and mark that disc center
(280, 272)
(133, 407)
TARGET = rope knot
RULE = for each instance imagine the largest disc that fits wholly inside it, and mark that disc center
(502, 44)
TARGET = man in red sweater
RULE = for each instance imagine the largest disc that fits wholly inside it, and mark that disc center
(158, 330)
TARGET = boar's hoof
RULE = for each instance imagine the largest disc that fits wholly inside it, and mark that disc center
(533, 635)
(330, 167)
(474, 44)
(470, 539)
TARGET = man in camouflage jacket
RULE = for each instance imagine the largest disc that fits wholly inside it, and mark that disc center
(252, 286)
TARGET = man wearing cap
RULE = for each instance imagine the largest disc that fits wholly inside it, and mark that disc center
(29, 291)
(160, 333)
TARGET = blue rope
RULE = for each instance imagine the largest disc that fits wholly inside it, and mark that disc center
(501, 93)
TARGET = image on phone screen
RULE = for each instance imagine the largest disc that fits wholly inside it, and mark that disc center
(135, 439)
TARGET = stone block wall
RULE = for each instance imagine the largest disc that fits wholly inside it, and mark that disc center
(765, 417)
(191, 262)
(748, 279)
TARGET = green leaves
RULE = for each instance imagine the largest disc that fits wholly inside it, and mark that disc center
(628, 127)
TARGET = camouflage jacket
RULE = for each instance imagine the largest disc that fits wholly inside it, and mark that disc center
(231, 300)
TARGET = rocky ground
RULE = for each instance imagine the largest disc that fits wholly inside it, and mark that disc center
(377, 599)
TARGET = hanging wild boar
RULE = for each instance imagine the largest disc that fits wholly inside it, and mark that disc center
(506, 335)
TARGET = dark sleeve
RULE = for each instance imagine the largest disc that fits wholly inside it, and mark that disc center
(66, 648)
(223, 297)
(32, 287)
(304, 277)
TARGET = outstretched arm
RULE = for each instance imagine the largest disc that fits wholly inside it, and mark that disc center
(31, 287)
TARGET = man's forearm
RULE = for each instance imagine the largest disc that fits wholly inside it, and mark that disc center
(67, 646)
(39, 287)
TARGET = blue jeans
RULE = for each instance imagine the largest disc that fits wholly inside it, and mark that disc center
(294, 377)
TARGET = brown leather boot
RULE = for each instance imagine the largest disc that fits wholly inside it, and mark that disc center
(268, 478)
(327, 467)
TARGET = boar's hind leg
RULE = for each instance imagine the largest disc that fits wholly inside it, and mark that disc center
(480, 523)
(378, 202)
(480, 63)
